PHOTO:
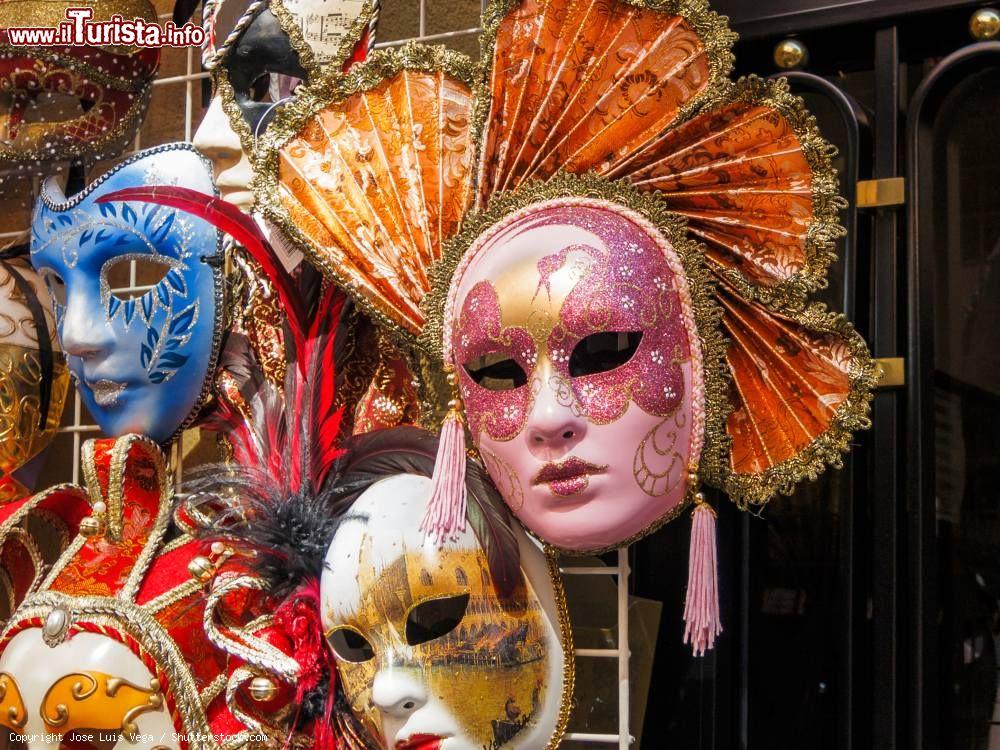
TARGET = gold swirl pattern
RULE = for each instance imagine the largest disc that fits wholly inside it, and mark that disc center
(13, 715)
(94, 700)
(21, 436)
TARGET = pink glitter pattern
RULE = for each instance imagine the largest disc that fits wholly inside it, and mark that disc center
(500, 413)
(631, 289)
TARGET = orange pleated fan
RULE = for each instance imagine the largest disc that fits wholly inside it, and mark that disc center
(577, 84)
(369, 172)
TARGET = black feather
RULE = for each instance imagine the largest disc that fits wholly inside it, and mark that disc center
(283, 537)
(492, 524)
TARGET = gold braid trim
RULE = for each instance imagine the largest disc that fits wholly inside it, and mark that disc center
(569, 650)
(116, 488)
(825, 228)
(307, 59)
(224, 90)
(701, 285)
(213, 690)
(251, 649)
(275, 734)
(178, 593)
(712, 29)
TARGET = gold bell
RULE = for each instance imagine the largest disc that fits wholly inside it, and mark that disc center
(91, 527)
(262, 689)
(201, 569)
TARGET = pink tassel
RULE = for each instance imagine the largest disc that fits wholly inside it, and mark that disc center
(701, 608)
(445, 516)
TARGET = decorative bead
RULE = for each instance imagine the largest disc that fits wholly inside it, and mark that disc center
(56, 623)
(201, 569)
(100, 507)
(91, 527)
(262, 689)
(985, 24)
(218, 548)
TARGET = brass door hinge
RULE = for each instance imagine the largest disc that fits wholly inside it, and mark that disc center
(893, 372)
(882, 193)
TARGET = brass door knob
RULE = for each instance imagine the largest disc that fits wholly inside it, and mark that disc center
(985, 24)
(790, 53)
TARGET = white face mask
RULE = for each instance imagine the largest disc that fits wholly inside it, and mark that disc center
(429, 656)
(88, 684)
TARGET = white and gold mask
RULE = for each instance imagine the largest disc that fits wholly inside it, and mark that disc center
(431, 656)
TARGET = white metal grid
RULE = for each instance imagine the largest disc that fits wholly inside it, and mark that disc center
(77, 425)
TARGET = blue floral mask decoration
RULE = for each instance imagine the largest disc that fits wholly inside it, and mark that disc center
(137, 293)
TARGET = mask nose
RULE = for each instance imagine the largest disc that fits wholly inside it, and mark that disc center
(83, 334)
(216, 140)
(398, 695)
(553, 429)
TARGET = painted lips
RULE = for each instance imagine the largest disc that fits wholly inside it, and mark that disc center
(421, 742)
(106, 392)
(569, 477)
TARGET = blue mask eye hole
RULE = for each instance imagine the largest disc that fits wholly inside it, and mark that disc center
(56, 287)
(149, 271)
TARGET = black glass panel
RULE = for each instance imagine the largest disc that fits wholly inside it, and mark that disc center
(961, 220)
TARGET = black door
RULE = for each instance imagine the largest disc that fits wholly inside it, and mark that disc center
(863, 611)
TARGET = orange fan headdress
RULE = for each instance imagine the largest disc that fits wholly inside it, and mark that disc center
(597, 224)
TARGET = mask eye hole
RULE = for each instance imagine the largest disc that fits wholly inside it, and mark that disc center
(434, 618)
(602, 352)
(496, 372)
(348, 644)
(55, 286)
(260, 89)
(149, 271)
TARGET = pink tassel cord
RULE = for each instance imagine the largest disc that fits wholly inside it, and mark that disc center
(445, 516)
(701, 608)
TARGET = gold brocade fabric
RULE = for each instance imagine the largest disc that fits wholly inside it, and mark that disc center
(21, 436)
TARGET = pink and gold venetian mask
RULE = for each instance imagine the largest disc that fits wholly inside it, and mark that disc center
(572, 332)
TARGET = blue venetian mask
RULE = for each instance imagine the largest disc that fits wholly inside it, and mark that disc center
(136, 289)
